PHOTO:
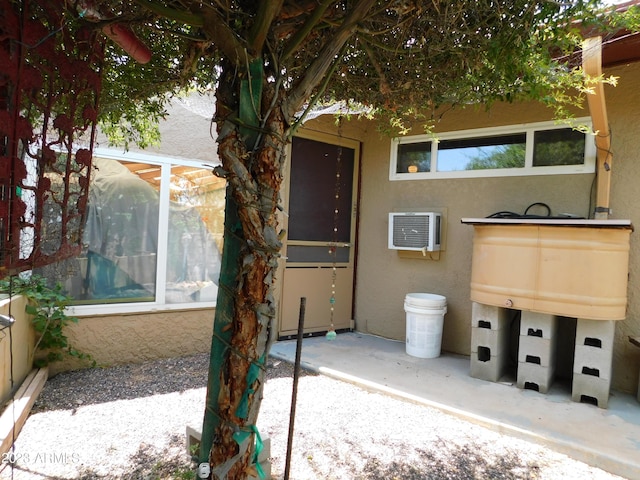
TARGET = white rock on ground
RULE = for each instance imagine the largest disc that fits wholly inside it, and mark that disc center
(129, 423)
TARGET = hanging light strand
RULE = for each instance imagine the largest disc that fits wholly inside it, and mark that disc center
(333, 249)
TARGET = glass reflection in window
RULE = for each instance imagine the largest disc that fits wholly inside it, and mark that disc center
(414, 157)
(563, 146)
(504, 151)
(119, 262)
(196, 217)
(120, 237)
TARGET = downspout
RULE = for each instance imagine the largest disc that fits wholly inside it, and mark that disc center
(592, 66)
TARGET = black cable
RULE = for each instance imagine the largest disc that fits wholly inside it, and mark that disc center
(525, 215)
(541, 205)
(504, 214)
(592, 195)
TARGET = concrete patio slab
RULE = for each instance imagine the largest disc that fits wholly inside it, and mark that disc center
(606, 438)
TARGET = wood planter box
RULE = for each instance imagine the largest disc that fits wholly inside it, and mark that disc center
(572, 268)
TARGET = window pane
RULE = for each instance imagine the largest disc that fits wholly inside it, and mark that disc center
(505, 151)
(196, 218)
(558, 147)
(312, 198)
(414, 157)
(311, 254)
(118, 262)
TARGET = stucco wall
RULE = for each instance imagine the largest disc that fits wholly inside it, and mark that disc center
(134, 338)
(384, 277)
(623, 105)
(16, 346)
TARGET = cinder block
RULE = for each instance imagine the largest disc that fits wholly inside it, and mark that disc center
(266, 468)
(194, 437)
(489, 316)
(264, 455)
(541, 325)
(536, 350)
(595, 333)
(264, 459)
(593, 361)
(486, 366)
(496, 340)
(534, 377)
(590, 389)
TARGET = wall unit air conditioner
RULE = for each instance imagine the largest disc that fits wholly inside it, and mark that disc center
(415, 231)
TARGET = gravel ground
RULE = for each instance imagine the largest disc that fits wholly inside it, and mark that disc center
(129, 423)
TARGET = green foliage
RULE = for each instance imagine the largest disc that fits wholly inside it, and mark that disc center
(506, 156)
(554, 147)
(168, 471)
(134, 96)
(46, 305)
(184, 473)
(138, 125)
(409, 62)
(629, 19)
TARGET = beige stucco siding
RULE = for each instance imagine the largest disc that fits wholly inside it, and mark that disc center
(384, 277)
(623, 106)
(134, 338)
(16, 346)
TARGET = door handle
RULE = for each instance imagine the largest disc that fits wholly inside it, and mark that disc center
(338, 244)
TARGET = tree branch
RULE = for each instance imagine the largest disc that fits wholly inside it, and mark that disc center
(385, 89)
(297, 8)
(266, 13)
(314, 100)
(225, 39)
(182, 16)
(318, 69)
(303, 31)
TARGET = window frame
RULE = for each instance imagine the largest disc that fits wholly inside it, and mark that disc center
(165, 162)
(589, 165)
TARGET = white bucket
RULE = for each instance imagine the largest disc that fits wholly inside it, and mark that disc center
(425, 319)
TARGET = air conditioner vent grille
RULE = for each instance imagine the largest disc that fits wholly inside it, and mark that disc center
(414, 231)
(411, 231)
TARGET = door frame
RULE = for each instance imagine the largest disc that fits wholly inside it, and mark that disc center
(332, 139)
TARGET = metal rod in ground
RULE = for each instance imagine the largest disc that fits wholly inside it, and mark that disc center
(294, 394)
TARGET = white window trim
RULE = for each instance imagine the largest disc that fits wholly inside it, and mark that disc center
(589, 165)
(158, 304)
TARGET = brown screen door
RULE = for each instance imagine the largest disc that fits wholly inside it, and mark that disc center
(321, 215)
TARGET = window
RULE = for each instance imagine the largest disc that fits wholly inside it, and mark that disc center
(152, 237)
(484, 153)
(533, 149)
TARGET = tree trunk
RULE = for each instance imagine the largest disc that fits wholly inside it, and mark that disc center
(253, 122)
(246, 305)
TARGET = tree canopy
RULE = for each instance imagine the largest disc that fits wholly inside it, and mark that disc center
(404, 58)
